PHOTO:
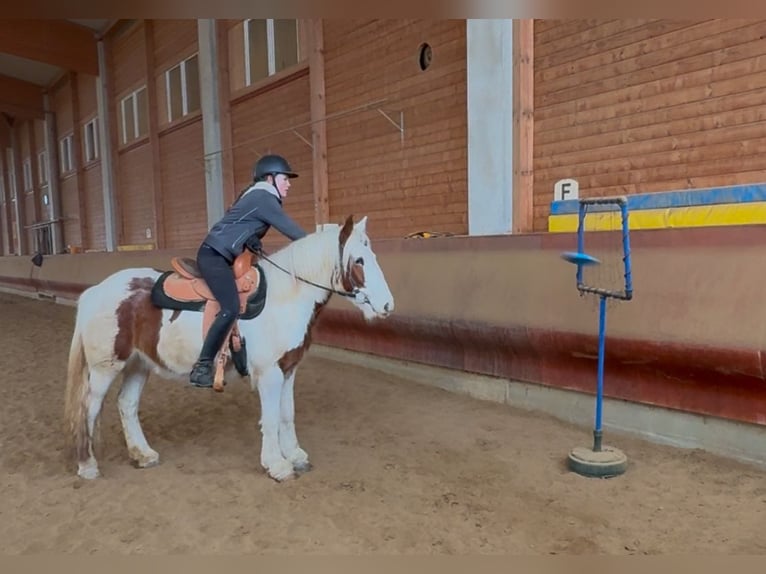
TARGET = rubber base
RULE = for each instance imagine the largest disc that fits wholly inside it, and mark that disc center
(606, 463)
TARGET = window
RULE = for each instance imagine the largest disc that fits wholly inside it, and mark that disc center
(270, 46)
(133, 124)
(65, 154)
(28, 174)
(91, 139)
(182, 88)
(42, 167)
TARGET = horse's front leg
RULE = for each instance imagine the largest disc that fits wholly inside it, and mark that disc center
(270, 384)
(288, 440)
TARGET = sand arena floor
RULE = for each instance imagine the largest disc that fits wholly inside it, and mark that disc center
(398, 468)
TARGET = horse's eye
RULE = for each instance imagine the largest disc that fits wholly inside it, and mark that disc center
(359, 261)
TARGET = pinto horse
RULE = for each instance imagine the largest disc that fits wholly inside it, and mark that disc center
(120, 330)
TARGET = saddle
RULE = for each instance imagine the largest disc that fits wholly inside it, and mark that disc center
(184, 289)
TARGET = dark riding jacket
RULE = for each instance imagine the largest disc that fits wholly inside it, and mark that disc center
(254, 213)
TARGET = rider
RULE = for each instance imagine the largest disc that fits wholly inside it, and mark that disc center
(256, 210)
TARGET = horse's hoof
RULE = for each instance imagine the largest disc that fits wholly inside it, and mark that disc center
(144, 460)
(88, 472)
(302, 467)
(282, 471)
(146, 463)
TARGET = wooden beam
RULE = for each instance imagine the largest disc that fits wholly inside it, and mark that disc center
(523, 125)
(20, 99)
(318, 124)
(154, 136)
(35, 173)
(56, 42)
(224, 112)
(5, 212)
(77, 158)
(19, 205)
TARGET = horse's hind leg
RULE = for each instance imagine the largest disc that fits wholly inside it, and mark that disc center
(288, 440)
(100, 380)
(128, 400)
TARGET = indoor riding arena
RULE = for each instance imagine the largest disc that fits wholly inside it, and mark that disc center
(572, 238)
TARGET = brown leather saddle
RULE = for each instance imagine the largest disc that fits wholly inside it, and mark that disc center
(184, 289)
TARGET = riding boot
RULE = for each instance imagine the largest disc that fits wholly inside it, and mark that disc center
(203, 372)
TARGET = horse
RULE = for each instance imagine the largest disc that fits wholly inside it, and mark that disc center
(120, 329)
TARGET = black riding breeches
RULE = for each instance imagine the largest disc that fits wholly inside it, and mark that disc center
(219, 275)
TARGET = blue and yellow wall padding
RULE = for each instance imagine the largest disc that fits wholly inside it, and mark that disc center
(735, 205)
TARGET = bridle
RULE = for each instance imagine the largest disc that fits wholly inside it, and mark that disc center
(350, 294)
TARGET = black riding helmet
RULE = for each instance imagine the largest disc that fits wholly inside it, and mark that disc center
(272, 165)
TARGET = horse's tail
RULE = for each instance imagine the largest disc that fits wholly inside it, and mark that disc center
(77, 387)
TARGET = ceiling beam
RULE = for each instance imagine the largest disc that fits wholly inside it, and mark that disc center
(56, 42)
(20, 99)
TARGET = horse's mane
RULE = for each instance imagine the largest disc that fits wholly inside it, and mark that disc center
(311, 257)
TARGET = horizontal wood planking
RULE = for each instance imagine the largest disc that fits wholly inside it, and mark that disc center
(603, 36)
(39, 136)
(86, 94)
(134, 195)
(24, 141)
(128, 62)
(94, 208)
(683, 110)
(404, 186)
(605, 71)
(721, 79)
(261, 124)
(174, 40)
(70, 211)
(62, 107)
(184, 204)
(674, 120)
(29, 212)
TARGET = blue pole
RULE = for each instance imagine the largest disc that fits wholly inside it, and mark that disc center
(626, 252)
(600, 383)
(580, 239)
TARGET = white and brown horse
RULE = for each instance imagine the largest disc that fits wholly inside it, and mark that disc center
(119, 330)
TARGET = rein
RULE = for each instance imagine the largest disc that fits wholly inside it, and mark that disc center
(351, 294)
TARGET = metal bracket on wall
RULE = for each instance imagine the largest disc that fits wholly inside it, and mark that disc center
(399, 126)
(368, 106)
(304, 140)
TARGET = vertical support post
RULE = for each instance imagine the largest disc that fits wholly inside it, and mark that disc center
(490, 126)
(211, 121)
(36, 217)
(105, 148)
(154, 137)
(6, 234)
(580, 238)
(77, 158)
(18, 186)
(318, 125)
(54, 187)
(626, 251)
(224, 109)
(523, 125)
(597, 432)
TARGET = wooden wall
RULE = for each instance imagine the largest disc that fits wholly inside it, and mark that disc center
(275, 111)
(181, 186)
(624, 106)
(62, 98)
(406, 186)
(632, 106)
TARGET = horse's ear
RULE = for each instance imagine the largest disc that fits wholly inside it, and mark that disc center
(362, 224)
(346, 230)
